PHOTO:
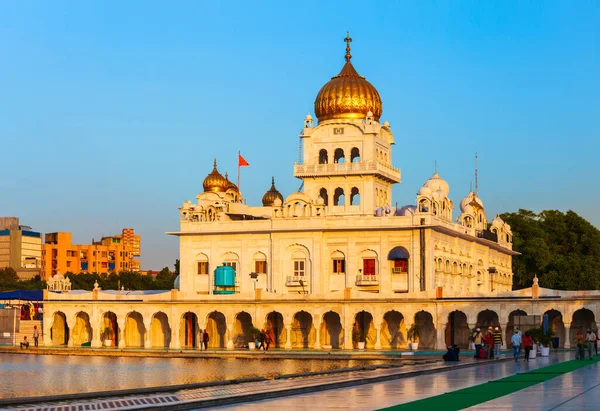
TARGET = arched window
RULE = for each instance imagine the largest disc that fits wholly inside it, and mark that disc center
(339, 262)
(260, 263)
(323, 158)
(232, 260)
(399, 259)
(354, 196)
(324, 196)
(355, 155)
(369, 262)
(338, 156)
(385, 158)
(338, 197)
(424, 206)
(201, 264)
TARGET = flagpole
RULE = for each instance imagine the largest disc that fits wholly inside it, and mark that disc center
(239, 154)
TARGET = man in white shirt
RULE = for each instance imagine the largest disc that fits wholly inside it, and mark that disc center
(590, 339)
(516, 342)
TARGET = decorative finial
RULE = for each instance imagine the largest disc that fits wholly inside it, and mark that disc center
(348, 40)
(435, 166)
(215, 163)
(273, 180)
(226, 176)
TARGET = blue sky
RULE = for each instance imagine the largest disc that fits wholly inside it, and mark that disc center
(112, 112)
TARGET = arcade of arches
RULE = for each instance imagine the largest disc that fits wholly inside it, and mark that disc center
(380, 326)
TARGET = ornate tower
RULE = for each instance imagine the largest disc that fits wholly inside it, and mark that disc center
(348, 155)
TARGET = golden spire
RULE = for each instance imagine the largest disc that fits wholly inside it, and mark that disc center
(348, 40)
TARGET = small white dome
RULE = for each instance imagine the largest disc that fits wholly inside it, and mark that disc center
(406, 210)
(425, 191)
(277, 202)
(497, 221)
(176, 284)
(308, 117)
(319, 201)
(472, 199)
(438, 183)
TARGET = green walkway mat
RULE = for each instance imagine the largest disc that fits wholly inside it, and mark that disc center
(468, 397)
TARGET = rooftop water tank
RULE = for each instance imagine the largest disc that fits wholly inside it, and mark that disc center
(224, 280)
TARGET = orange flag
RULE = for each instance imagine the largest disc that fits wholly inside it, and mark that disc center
(241, 161)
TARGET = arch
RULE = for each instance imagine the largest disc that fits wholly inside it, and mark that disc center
(424, 205)
(555, 321)
(399, 259)
(160, 331)
(324, 196)
(514, 321)
(338, 156)
(59, 332)
(364, 329)
(216, 327)
(274, 325)
(339, 198)
(457, 329)
(82, 330)
(323, 157)
(427, 334)
(259, 263)
(242, 329)
(393, 331)
(338, 260)
(135, 331)
(202, 264)
(332, 332)
(370, 262)
(355, 155)
(487, 318)
(231, 259)
(354, 196)
(582, 320)
(303, 331)
(110, 329)
(189, 331)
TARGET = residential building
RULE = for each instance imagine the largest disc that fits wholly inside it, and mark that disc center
(110, 254)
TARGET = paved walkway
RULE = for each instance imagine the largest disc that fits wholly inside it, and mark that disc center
(561, 391)
(258, 390)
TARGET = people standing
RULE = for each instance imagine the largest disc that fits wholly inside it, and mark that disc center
(205, 339)
(489, 343)
(497, 342)
(267, 339)
(36, 336)
(590, 339)
(478, 341)
(261, 340)
(580, 350)
(516, 342)
(527, 345)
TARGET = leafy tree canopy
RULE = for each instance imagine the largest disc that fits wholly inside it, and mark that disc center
(563, 249)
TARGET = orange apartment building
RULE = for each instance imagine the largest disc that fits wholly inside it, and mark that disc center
(110, 254)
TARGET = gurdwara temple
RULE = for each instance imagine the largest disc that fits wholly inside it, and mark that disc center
(330, 266)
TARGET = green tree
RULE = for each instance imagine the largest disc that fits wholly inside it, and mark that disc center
(562, 249)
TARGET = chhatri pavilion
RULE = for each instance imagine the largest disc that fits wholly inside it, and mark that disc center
(329, 264)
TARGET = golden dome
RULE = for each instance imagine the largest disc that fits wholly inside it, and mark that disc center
(271, 195)
(215, 181)
(347, 95)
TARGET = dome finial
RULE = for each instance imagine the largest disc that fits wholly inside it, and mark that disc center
(273, 180)
(215, 163)
(348, 40)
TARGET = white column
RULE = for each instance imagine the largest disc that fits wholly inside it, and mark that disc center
(288, 342)
(440, 340)
(318, 336)
(378, 340)
(96, 324)
(504, 336)
(230, 337)
(148, 327)
(121, 325)
(567, 335)
(70, 325)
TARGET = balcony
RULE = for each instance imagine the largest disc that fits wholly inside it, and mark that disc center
(386, 171)
(295, 281)
(367, 280)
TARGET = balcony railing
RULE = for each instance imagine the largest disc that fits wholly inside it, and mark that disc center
(341, 169)
(367, 280)
(295, 281)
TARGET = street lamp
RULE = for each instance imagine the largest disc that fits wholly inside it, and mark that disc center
(254, 277)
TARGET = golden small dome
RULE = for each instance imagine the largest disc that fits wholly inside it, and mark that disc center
(347, 95)
(231, 185)
(271, 195)
(215, 182)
